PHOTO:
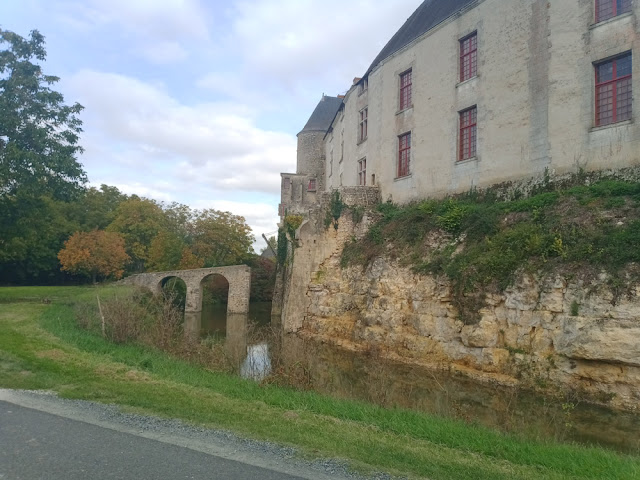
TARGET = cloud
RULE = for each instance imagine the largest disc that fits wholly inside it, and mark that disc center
(304, 38)
(209, 145)
(155, 30)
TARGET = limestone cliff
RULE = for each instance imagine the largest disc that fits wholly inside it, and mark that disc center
(555, 332)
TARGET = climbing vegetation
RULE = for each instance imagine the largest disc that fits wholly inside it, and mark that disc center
(481, 243)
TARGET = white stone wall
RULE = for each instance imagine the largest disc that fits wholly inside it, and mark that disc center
(534, 93)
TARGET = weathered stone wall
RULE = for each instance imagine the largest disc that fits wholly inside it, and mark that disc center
(554, 334)
(313, 243)
(534, 94)
(239, 278)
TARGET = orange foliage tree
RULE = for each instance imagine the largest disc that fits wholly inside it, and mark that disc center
(94, 254)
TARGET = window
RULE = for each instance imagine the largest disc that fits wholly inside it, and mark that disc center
(362, 130)
(606, 9)
(362, 171)
(469, 57)
(613, 90)
(404, 154)
(468, 133)
(364, 85)
(405, 90)
(311, 187)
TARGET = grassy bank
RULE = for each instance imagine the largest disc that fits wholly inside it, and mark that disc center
(41, 347)
(481, 243)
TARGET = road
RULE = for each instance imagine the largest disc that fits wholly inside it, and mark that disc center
(43, 437)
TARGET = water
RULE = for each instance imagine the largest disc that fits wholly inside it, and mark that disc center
(367, 377)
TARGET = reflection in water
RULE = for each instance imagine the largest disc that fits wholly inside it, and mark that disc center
(257, 364)
(341, 373)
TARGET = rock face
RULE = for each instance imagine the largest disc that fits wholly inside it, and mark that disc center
(549, 333)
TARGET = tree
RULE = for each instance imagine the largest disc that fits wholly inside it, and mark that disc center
(38, 165)
(139, 221)
(38, 132)
(94, 254)
(221, 238)
(165, 252)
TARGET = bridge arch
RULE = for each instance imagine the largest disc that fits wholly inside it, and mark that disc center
(238, 276)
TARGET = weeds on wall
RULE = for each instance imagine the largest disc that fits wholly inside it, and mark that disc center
(481, 243)
(283, 247)
(336, 206)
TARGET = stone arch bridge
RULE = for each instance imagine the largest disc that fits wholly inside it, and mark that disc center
(238, 276)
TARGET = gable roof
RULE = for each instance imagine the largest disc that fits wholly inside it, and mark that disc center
(428, 15)
(322, 117)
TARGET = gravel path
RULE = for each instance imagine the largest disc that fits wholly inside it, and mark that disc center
(219, 443)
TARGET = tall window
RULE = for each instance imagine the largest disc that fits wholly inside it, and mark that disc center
(606, 9)
(404, 154)
(613, 90)
(405, 90)
(362, 171)
(311, 187)
(362, 133)
(469, 57)
(468, 133)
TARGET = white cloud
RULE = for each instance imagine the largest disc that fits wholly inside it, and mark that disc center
(157, 30)
(204, 145)
(299, 39)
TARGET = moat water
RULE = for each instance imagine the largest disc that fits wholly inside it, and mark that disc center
(367, 377)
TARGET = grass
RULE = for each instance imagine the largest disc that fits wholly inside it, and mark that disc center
(41, 347)
(482, 243)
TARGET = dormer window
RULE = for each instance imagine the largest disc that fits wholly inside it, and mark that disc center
(364, 85)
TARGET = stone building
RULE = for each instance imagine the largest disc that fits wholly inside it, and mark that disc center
(470, 93)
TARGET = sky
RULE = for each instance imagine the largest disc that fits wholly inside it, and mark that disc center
(199, 101)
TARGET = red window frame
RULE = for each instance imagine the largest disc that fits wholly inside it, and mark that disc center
(311, 186)
(469, 57)
(606, 9)
(404, 154)
(362, 172)
(363, 130)
(405, 89)
(468, 133)
(613, 90)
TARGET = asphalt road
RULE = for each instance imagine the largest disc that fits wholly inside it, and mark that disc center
(38, 445)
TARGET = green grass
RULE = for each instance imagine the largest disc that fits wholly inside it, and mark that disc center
(42, 348)
(486, 243)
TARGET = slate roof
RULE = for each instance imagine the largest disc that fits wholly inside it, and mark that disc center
(322, 117)
(428, 15)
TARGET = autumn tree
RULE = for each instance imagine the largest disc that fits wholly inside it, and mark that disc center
(94, 254)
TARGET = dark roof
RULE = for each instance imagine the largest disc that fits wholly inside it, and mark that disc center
(428, 15)
(321, 118)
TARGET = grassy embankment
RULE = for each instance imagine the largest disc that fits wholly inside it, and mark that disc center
(41, 347)
(482, 243)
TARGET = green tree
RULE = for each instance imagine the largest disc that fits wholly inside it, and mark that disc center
(165, 252)
(221, 238)
(96, 207)
(38, 165)
(38, 132)
(139, 221)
